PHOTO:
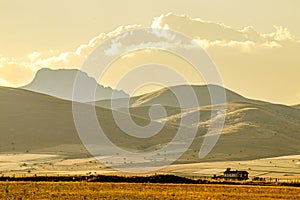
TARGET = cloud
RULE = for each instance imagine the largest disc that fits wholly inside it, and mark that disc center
(260, 65)
(282, 34)
(35, 55)
(18, 72)
(211, 34)
(246, 58)
(207, 34)
(75, 59)
(113, 50)
(244, 46)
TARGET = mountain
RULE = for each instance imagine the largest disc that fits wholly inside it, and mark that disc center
(167, 97)
(33, 122)
(59, 83)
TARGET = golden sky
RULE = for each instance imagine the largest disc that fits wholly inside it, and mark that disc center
(255, 44)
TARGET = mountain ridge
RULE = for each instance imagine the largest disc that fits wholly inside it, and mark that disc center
(60, 83)
(166, 97)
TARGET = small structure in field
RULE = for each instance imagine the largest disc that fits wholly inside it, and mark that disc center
(235, 175)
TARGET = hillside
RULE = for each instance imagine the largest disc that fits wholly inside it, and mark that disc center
(59, 83)
(296, 106)
(251, 131)
(32, 122)
(41, 123)
(167, 97)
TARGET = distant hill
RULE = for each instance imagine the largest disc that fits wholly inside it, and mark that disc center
(166, 97)
(296, 106)
(32, 122)
(59, 83)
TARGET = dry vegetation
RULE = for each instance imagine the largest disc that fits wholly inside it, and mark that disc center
(84, 190)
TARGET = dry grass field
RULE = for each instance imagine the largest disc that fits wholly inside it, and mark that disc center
(84, 190)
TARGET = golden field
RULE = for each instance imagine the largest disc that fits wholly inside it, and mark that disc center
(84, 190)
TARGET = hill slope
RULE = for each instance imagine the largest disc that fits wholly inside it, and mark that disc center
(167, 97)
(251, 131)
(39, 123)
(296, 106)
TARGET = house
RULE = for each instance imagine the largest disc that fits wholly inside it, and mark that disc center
(235, 175)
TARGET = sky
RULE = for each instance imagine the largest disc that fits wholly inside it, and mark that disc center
(254, 44)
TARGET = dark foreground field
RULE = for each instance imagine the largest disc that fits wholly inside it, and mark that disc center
(85, 190)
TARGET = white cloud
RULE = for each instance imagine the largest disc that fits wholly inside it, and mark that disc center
(76, 58)
(243, 45)
(113, 50)
(282, 34)
(156, 23)
(150, 45)
(215, 37)
(19, 72)
(35, 55)
(213, 34)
